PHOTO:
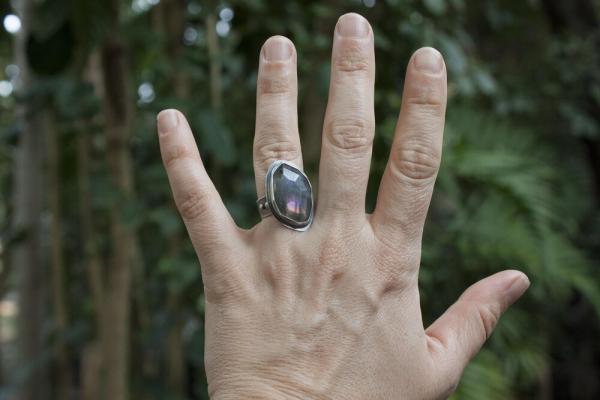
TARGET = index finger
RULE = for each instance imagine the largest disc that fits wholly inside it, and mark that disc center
(207, 220)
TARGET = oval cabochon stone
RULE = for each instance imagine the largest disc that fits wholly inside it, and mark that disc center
(292, 194)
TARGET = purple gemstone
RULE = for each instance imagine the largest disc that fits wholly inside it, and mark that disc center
(292, 194)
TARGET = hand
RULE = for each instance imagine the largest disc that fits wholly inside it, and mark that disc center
(333, 312)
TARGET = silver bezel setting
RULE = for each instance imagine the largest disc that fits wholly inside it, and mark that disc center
(270, 198)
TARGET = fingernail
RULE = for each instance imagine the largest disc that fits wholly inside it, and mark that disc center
(516, 289)
(167, 121)
(278, 49)
(429, 60)
(353, 26)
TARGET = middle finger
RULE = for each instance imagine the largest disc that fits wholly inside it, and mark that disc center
(349, 120)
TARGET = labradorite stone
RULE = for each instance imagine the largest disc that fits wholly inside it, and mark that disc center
(292, 194)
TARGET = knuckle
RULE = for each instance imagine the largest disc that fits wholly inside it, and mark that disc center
(278, 273)
(394, 280)
(330, 265)
(398, 268)
(266, 153)
(176, 153)
(449, 385)
(354, 135)
(329, 254)
(194, 205)
(488, 317)
(223, 270)
(228, 286)
(329, 259)
(275, 80)
(397, 263)
(417, 161)
(426, 96)
(428, 93)
(352, 58)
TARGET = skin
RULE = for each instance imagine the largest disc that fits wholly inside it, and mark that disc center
(333, 312)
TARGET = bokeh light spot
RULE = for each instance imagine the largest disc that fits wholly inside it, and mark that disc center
(12, 23)
(6, 88)
(223, 28)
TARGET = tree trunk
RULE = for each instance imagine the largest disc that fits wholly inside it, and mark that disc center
(118, 117)
(91, 369)
(171, 23)
(212, 42)
(314, 104)
(26, 252)
(216, 89)
(115, 336)
(91, 358)
(56, 258)
(175, 346)
(93, 266)
(172, 13)
(176, 375)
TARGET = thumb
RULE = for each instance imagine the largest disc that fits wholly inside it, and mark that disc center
(460, 332)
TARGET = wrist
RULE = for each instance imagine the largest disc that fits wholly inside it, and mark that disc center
(251, 394)
(253, 391)
(256, 389)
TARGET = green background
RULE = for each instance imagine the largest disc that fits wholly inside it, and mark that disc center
(519, 184)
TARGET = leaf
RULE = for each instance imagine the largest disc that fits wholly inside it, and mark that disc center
(215, 137)
(167, 219)
(436, 7)
(455, 57)
(485, 81)
(132, 213)
(483, 379)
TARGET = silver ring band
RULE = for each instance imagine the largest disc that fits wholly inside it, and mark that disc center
(263, 207)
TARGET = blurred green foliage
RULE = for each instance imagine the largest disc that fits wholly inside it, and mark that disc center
(519, 183)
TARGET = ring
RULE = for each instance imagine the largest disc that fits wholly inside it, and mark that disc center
(288, 196)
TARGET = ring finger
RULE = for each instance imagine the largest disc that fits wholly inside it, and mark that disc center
(276, 136)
